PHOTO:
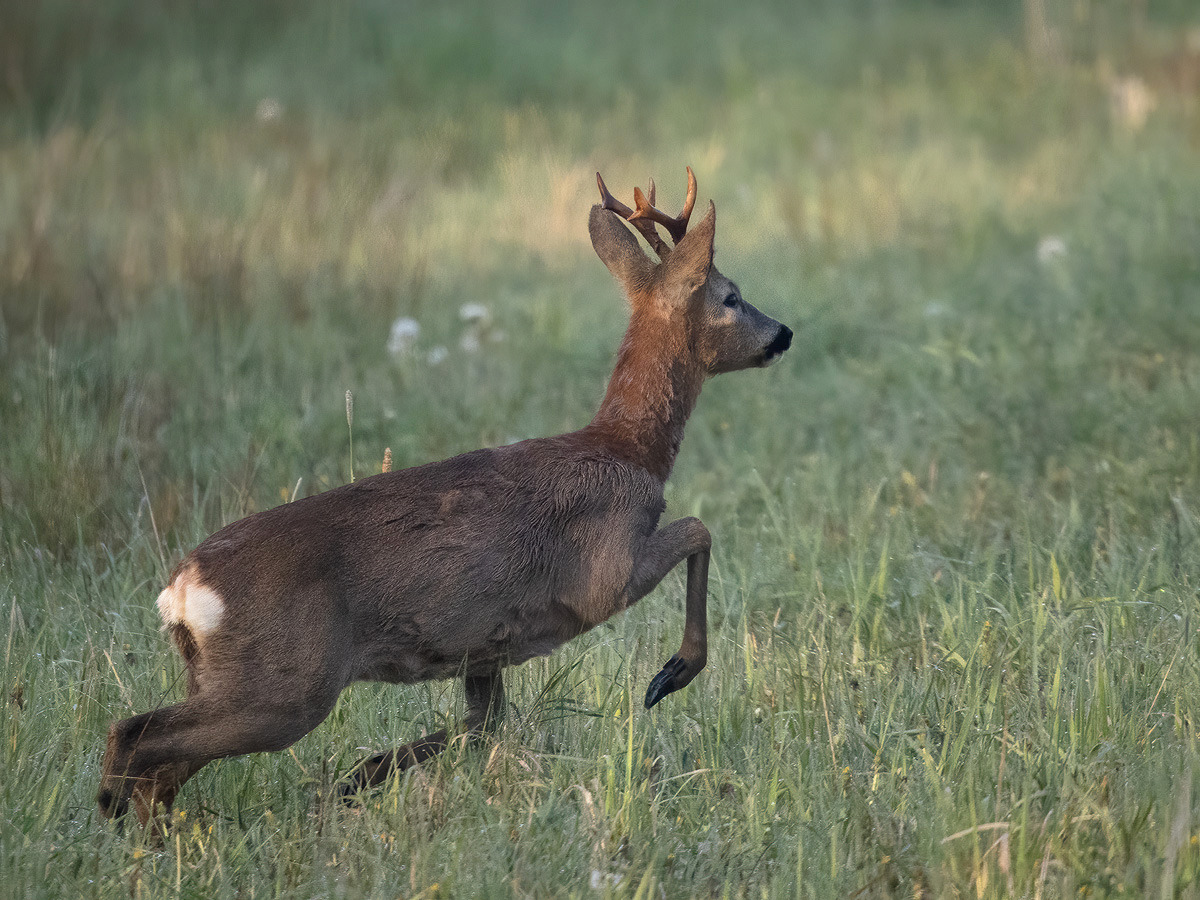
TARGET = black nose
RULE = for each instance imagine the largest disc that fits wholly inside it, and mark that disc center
(782, 341)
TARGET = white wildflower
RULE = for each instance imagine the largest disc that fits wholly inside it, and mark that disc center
(478, 327)
(403, 337)
(1051, 248)
(474, 313)
(438, 355)
(269, 109)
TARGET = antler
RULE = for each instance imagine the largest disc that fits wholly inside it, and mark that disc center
(646, 215)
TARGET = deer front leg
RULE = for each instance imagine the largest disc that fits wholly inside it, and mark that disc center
(682, 539)
(485, 709)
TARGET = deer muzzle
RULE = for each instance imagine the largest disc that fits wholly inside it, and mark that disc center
(779, 343)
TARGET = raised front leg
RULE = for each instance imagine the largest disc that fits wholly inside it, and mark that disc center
(485, 709)
(682, 539)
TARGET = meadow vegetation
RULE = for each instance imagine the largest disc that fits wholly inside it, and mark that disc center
(955, 627)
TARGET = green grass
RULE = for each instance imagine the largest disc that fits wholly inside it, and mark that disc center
(953, 600)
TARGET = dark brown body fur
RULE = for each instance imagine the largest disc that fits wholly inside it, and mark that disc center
(536, 541)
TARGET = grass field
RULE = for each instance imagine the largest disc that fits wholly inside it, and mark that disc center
(954, 610)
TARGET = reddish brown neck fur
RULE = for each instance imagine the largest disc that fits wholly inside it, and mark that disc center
(652, 391)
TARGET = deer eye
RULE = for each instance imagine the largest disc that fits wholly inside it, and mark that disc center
(731, 300)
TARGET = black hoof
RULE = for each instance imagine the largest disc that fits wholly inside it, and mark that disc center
(665, 681)
(348, 793)
(361, 778)
(111, 806)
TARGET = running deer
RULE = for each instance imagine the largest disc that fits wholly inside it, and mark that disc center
(461, 567)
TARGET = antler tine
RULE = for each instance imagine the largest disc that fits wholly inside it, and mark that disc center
(608, 201)
(690, 202)
(676, 226)
(643, 225)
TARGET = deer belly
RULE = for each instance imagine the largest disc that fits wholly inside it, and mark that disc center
(412, 654)
(521, 638)
(410, 667)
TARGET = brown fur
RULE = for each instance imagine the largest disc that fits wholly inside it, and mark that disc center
(185, 643)
(460, 567)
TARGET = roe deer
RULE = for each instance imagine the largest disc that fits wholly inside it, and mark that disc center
(459, 567)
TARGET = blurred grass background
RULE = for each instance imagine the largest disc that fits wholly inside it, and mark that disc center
(953, 599)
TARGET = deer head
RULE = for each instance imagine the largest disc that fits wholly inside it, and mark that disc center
(684, 290)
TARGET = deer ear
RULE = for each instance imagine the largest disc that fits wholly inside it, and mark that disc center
(619, 250)
(687, 266)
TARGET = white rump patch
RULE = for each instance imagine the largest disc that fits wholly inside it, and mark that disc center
(186, 601)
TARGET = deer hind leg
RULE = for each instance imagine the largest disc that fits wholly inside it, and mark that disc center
(153, 794)
(150, 756)
(682, 539)
(485, 709)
